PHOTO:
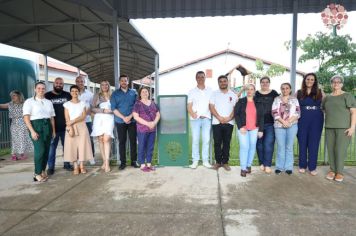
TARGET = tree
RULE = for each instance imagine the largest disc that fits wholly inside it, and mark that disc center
(336, 55)
(271, 71)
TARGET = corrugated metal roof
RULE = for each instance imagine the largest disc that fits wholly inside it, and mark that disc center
(134, 9)
(79, 32)
(75, 34)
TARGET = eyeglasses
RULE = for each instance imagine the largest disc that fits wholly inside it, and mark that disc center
(336, 82)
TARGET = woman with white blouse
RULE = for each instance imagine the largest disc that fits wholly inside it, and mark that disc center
(77, 146)
(38, 115)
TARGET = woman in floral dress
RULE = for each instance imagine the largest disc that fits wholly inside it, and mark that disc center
(20, 140)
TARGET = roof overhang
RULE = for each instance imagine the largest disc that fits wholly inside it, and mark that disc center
(76, 34)
(138, 9)
(79, 32)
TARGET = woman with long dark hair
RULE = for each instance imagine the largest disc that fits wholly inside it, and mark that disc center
(310, 125)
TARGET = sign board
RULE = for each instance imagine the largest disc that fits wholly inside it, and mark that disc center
(173, 133)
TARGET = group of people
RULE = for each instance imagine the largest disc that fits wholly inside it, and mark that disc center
(48, 117)
(264, 117)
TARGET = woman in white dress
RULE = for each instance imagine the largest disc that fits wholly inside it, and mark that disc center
(77, 146)
(103, 124)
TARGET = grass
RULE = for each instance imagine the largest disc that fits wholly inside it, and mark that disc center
(5, 151)
(234, 152)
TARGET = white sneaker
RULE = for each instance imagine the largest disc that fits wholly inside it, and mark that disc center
(207, 165)
(92, 161)
(194, 165)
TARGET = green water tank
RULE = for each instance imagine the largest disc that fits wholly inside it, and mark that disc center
(16, 73)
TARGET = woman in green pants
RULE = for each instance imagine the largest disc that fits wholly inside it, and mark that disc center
(340, 124)
(38, 115)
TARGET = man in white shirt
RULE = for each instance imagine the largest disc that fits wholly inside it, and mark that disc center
(222, 103)
(200, 118)
(87, 97)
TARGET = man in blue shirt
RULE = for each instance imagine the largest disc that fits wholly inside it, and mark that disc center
(122, 102)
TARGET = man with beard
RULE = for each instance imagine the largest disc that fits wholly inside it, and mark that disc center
(87, 97)
(222, 103)
(122, 103)
(57, 96)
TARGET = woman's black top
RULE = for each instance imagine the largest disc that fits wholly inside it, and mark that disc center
(267, 101)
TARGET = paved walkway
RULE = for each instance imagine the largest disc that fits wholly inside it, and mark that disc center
(174, 201)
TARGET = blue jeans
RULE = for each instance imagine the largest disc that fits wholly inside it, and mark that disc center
(52, 151)
(146, 143)
(247, 144)
(205, 125)
(265, 146)
(285, 139)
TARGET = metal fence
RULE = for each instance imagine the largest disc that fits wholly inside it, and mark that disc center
(350, 159)
(5, 139)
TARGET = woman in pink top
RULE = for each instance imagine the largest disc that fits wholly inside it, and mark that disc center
(249, 116)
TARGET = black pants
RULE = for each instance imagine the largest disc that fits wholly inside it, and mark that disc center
(222, 138)
(90, 129)
(122, 130)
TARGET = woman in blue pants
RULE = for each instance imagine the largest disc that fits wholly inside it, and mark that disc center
(310, 124)
(286, 112)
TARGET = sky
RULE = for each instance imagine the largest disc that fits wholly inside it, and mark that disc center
(179, 40)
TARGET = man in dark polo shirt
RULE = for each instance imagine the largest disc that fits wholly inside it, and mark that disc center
(122, 102)
(57, 96)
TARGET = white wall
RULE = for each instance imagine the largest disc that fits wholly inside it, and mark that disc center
(180, 81)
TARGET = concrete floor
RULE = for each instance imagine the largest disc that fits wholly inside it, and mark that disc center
(174, 201)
